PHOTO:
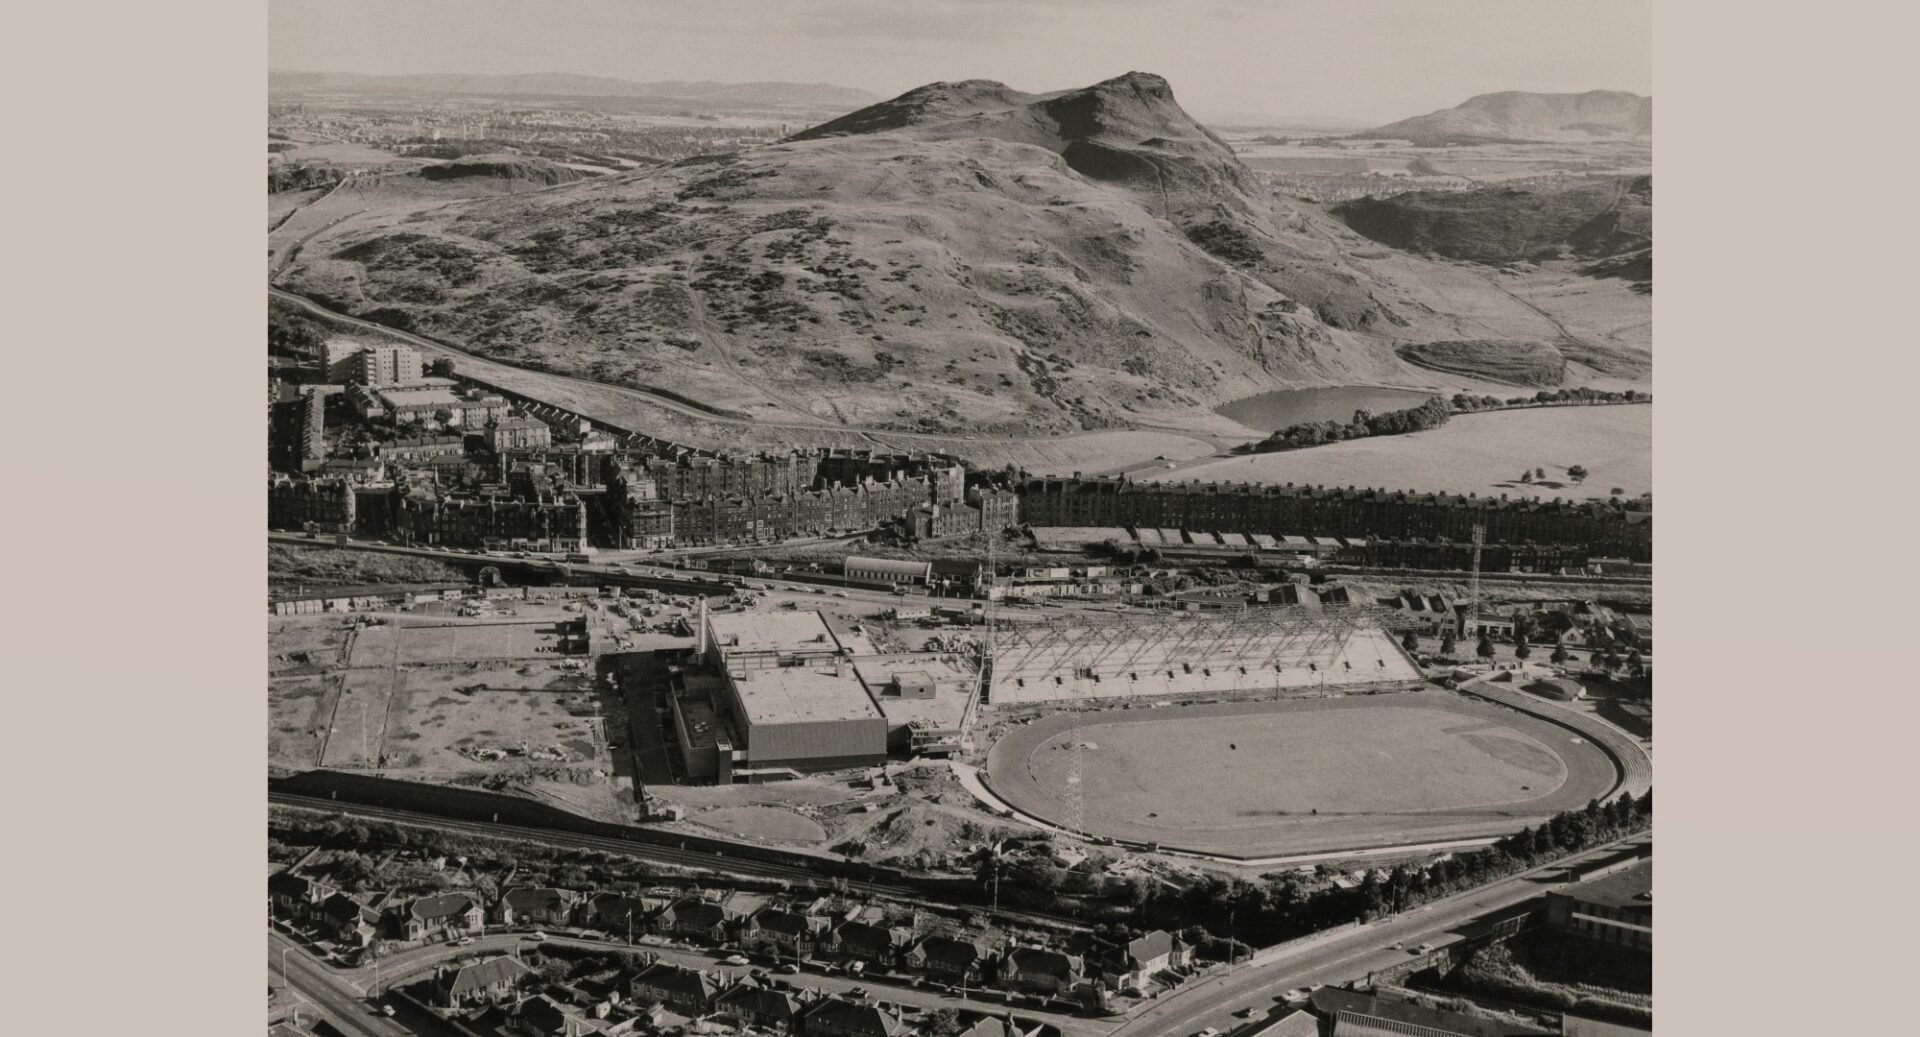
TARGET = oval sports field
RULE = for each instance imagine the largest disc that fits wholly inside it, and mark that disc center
(1302, 776)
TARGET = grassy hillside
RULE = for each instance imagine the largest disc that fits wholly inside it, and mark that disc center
(319, 566)
(964, 259)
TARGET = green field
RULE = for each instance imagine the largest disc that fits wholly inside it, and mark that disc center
(1473, 453)
(1348, 761)
(1302, 776)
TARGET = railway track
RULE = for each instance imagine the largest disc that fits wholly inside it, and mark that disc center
(665, 854)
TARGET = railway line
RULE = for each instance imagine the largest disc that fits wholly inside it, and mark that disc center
(667, 852)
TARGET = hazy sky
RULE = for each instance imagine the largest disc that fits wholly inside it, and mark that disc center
(1365, 60)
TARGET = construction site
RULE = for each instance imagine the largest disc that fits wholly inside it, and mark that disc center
(1274, 649)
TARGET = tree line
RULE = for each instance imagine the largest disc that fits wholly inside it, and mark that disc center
(1431, 414)
(1467, 403)
(1229, 914)
(299, 176)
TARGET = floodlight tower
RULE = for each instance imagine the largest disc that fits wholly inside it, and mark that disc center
(1076, 760)
(1479, 539)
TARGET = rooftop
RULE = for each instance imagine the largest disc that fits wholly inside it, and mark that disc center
(1358, 1014)
(887, 565)
(772, 632)
(433, 396)
(1621, 889)
(946, 706)
(802, 694)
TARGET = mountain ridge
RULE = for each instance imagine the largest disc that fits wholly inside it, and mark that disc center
(1520, 116)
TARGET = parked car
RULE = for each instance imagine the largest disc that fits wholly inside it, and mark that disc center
(536, 935)
(736, 960)
(386, 1010)
(464, 941)
(1423, 948)
(789, 969)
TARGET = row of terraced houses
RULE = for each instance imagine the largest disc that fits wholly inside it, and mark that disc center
(784, 931)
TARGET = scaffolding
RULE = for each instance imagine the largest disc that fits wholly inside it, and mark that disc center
(1091, 646)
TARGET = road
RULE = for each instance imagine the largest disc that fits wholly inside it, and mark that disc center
(316, 988)
(1342, 956)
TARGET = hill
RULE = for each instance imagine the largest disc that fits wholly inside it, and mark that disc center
(1515, 116)
(964, 258)
(282, 83)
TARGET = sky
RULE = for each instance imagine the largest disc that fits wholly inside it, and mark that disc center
(1359, 61)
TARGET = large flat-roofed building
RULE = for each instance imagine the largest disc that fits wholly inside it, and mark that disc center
(807, 717)
(924, 696)
(767, 639)
(791, 696)
(1615, 909)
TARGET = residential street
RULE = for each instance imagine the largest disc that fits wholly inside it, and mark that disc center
(316, 988)
(1211, 1002)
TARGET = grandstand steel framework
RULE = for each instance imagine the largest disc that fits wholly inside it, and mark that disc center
(1107, 643)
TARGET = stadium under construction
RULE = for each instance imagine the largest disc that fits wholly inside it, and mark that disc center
(1087, 655)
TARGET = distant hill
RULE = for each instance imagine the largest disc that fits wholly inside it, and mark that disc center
(1516, 116)
(282, 83)
(1127, 129)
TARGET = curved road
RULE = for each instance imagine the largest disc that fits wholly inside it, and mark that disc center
(1338, 956)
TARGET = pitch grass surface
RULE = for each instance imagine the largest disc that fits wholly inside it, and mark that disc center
(1245, 779)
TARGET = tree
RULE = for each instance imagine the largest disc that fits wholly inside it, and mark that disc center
(1526, 477)
(1522, 652)
(1539, 473)
(1636, 663)
(1560, 655)
(1577, 472)
(942, 1022)
(1485, 648)
(1617, 491)
(1411, 642)
(554, 970)
(1446, 643)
